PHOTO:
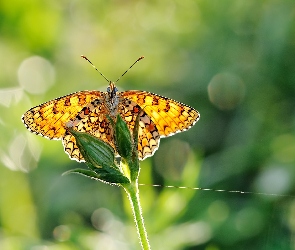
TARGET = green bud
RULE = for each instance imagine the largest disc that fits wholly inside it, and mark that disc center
(123, 138)
(94, 150)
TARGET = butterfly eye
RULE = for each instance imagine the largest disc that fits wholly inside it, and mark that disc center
(108, 89)
(115, 90)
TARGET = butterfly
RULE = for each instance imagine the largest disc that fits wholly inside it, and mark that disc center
(86, 111)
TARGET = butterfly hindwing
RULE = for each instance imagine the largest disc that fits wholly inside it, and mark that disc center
(148, 135)
(71, 148)
(91, 119)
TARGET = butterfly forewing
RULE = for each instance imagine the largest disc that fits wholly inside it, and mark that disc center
(49, 119)
(168, 115)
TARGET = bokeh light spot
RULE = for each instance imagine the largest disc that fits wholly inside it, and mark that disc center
(12, 160)
(171, 159)
(193, 233)
(36, 75)
(249, 222)
(283, 148)
(62, 233)
(291, 216)
(9, 96)
(226, 91)
(102, 219)
(22, 154)
(273, 180)
(218, 211)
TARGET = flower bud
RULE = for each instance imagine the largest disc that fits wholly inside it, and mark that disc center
(123, 138)
(94, 150)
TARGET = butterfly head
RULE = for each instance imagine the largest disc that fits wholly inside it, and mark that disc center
(112, 90)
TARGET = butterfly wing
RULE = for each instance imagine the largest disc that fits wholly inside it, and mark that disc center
(148, 135)
(85, 112)
(71, 148)
(49, 119)
(92, 119)
(169, 116)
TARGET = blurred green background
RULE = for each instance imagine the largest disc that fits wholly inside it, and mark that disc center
(232, 60)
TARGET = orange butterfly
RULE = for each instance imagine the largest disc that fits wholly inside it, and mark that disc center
(86, 111)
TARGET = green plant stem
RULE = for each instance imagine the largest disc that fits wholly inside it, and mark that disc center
(133, 194)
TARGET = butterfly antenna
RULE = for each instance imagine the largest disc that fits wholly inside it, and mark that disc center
(96, 68)
(129, 68)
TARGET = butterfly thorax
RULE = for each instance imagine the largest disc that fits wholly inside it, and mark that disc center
(112, 100)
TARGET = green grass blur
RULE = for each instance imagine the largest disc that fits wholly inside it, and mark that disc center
(232, 60)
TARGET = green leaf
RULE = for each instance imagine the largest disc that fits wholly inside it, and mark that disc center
(114, 177)
(115, 172)
(101, 175)
(85, 172)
